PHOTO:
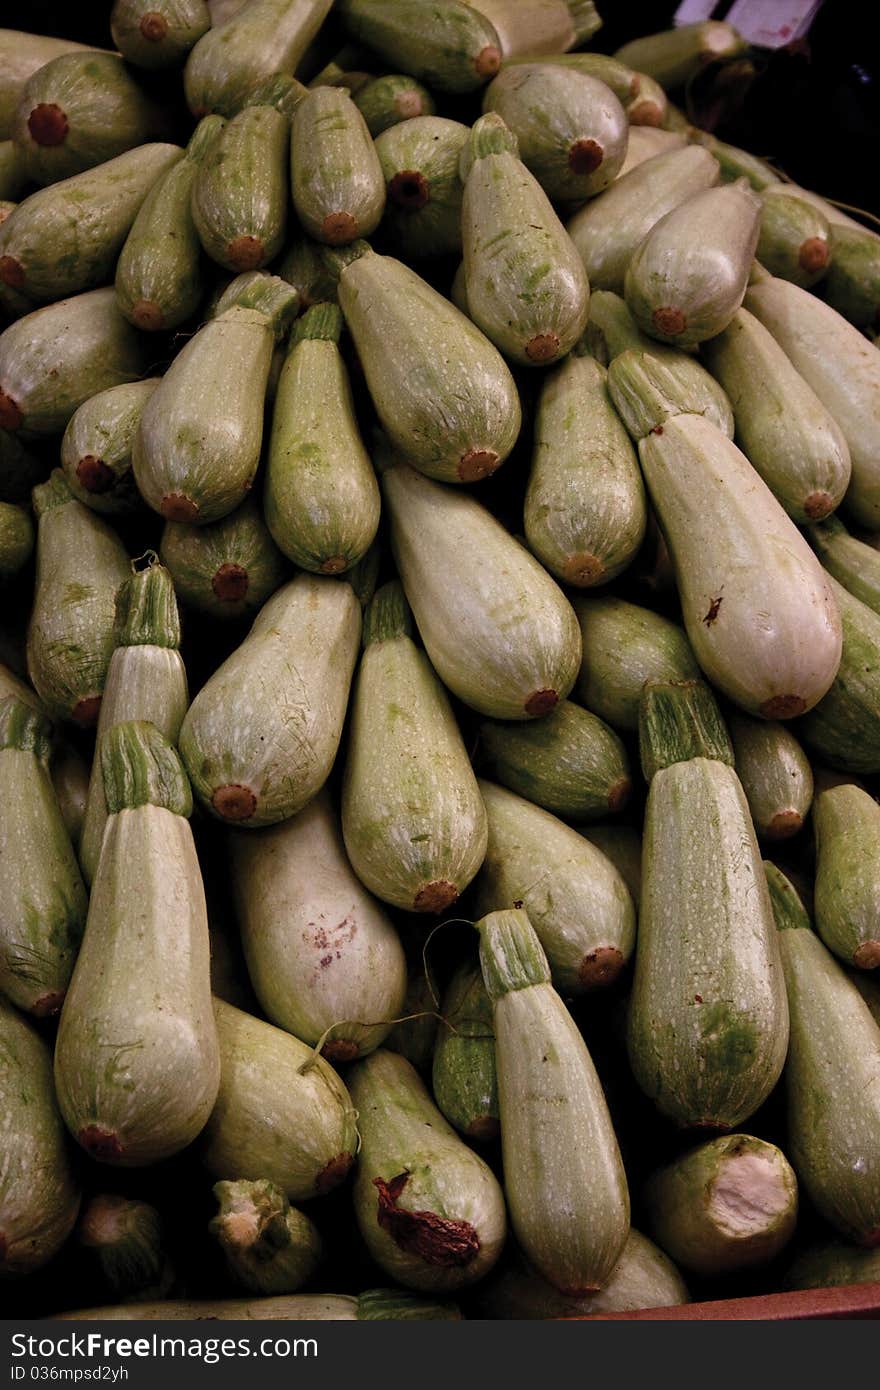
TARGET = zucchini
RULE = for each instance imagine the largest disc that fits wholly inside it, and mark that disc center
(21, 54)
(726, 1206)
(794, 240)
(336, 178)
(757, 606)
(321, 498)
(97, 444)
(736, 163)
(707, 1026)
(869, 988)
(384, 101)
(622, 80)
(319, 950)
(842, 367)
(570, 762)
(499, 632)
(846, 824)
(831, 1263)
(146, 679)
(463, 1076)
(370, 1306)
(415, 1034)
(852, 285)
(543, 26)
(782, 427)
(197, 447)
(649, 390)
(844, 728)
(646, 142)
(158, 33)
(448, 44)
(686, 280)
(260, 737)
(853, 563)
(445, 396)
(832, 1077)
(775, 774)
(571, 129)
(53, 358)
(70, 780)
(608, 231)
(253, 43)
(80, 564)
(623, 846)
(240, 194)
(412, 816)
(137, 1063)
(673, 56)
(159, 279)
(125, 1245)
(577, 902)
(624, 646)
(419, 160)
(43, 899)
(563, 1176)
(225, 570)
(302, 267)
(525, 284)
(39, 1194)
(268, 1246)
(16, 539)
(429, 1209)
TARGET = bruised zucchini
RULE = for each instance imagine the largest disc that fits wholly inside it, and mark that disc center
(269, 1247)
(240, 194)
(254, 43)
(846, 823)
(158, 33)
(227, 569)
(463, 1076)
(336, 178)
(97, 444)
(775, 775)
(624, 646)
(450, 45)
(419, 160)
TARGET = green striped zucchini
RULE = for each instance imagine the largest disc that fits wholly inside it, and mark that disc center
(96, 447)
(227, 569)
(463, 1076)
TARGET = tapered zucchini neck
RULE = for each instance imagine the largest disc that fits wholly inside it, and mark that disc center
(24, 728)
(511, 956)
(146, 607)
(141, 768)
(678, 721)
(388, 615)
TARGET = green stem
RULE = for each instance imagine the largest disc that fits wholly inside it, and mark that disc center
(511, 956)
(24, 728)
(140, 768)
(680, 720)
(146, 609)
(388, 616)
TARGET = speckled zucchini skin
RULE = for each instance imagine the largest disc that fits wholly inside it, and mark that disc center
(336, 179)
(240, 195)
(450, 46)
(852, 284)
(251, 45)
(844, 727)
(158, 33)
(853, 563)
(708, 1019)
(21, 54)
(625, 645)
(794, 241)
(385, 101)
(39, 1196)
(97, 444)
(846, 823)
(228, 569)
(775, 774)
(463, 1075)
(419, 160)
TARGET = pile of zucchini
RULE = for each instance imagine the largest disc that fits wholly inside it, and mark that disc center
(439, 675)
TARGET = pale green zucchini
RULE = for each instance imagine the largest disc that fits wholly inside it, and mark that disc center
(707, 1025)
(53, 358)
(543, 26)
(125, 1244)
(320, 952)
(846, 824)
(448, 44)
(269, 1247)
(728, 1205)
(525, 284)
(370, 1306)
(672, 56)
(159, 279)
(137, 1063)
(146, 679)
(445, 395)
(430, 1211)
(758, 607)
(794, 240)
(385, 101)
(782, 427)
(842, 367)
(577, 902)
(623, 846)
(226, 570)
(648, 390)
(736, 163)
(302, 266)
(844, 728)
(240, 194)
(12, 684)
(66, 238)
(80, 564)
(70, 780)
(569, 762)
(832, 1077)
(336, 179)
(571, 129)
(463, 1076)
(419, 160)
(832, 1263)
(622, 80)
(42, 898)
(869, 988)
(852, 285)
(97, 444)
(39, 1194)
(254, 43)
(499, 632)
(21, 54)
(563, 1175)
(412, 816)
(158, 33)
(625, 645)
(16, 539)
(608, 231)
(645, 142)
(81, 109)
(282, 1113)
(321, 498)
(853, 563)
(197, 447)
(260, 737)
(775, 774)
(686, 280)
(642, 1278)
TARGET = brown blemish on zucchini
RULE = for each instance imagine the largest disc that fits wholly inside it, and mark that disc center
(48, 124)
(601, 967)
(867, 956)
(484, 1128)
(85, 712)
(669, 321)
(432, 1238)
(175, 506)
(543, 347)
(148, 316)
(340, 1050)
(234, 802)
(230, 583)
(11, 270)
(99, 1143)
(154, 26)
(335, 565)
(246, 253)
(813, 254)
(10, 415)
(48, 1004)
(541, 702)
(338, 228)
(783, 825)
(333, 1173)
(619, 794)
(583, 569)
(94, 475)
(783, 707)
(409, 189)
(714, 608)
(585, 156)
(477, 464)
(818, 505)
(435, 897)
(488, 61)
